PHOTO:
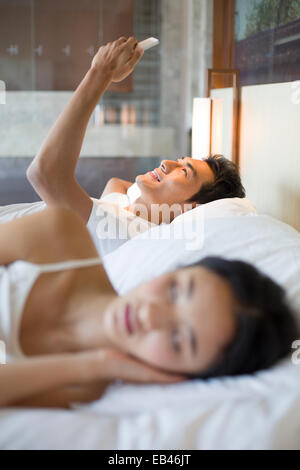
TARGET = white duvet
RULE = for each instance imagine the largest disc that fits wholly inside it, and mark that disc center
(261, 411)
(251, 412)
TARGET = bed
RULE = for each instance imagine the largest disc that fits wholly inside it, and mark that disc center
(259, 411)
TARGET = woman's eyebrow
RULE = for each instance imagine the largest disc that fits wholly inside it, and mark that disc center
(193, 341)
(192, 336)
(191, 287)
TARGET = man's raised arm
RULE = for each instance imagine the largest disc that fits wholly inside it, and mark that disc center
(52, 171)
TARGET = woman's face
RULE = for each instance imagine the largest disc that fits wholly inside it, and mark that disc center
(179, 322)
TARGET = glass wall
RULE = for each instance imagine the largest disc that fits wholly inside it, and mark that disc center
(46, 47)
(267, 41)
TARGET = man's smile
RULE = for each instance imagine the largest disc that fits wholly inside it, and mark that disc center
(154, 174)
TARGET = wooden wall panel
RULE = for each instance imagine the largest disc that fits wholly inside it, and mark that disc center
(117, 21)
(16, 64)
(65, 37)
(223, 39)
(49, 44)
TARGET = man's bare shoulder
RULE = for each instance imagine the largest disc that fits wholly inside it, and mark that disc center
(116, 185)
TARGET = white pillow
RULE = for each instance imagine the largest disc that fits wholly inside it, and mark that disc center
(271, 245)
(227, 207)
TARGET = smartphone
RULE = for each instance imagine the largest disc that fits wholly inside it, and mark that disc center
(148, 43)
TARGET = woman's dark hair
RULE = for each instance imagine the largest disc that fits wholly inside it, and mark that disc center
(227, 182)
(266, 326)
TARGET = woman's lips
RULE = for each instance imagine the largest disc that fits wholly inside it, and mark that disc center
(128, 319)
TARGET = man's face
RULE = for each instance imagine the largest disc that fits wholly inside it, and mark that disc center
(174, 182)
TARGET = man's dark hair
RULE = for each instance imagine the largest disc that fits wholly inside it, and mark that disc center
(266, 326)
(227, 181)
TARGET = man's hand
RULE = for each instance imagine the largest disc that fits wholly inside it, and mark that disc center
(118, 58)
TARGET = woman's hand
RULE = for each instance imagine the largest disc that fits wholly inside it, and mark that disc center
(118, 58)
(102, 367)
(60, 380)
(111, 364)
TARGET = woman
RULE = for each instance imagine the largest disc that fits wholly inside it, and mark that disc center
(59, 310)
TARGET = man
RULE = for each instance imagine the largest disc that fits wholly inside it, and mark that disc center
(185, 182)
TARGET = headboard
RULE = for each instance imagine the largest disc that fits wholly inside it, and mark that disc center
(269, 147)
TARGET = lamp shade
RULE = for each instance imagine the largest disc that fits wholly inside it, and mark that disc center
(216, 126)
(207, 127)
(201, 127)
